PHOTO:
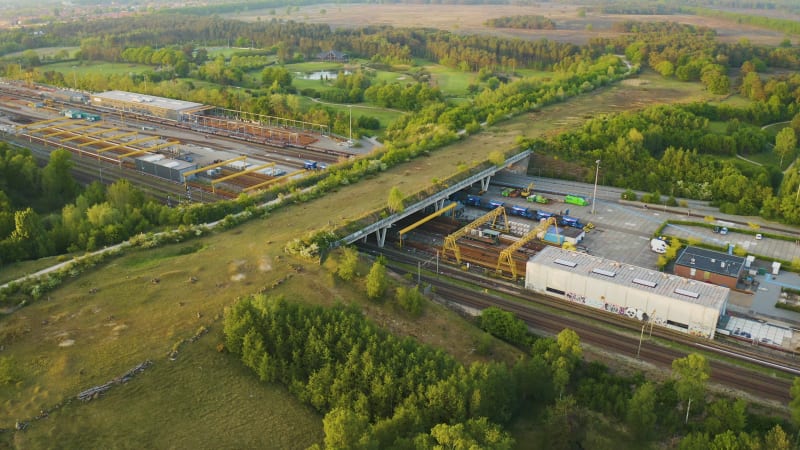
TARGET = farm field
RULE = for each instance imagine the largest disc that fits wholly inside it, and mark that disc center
(471, 18)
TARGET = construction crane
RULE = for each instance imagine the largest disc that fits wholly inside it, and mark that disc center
(506, 259)
(424, 220)
(450, 242)
(264, 184)
(238, 174)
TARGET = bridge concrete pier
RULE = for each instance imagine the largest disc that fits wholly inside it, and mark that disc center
(485, 183)
(380, 234)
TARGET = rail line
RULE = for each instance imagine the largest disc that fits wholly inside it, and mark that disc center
(612, 334)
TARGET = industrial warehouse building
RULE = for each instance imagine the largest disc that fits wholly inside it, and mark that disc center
(667, 300)
(166, 108)
(709, 266)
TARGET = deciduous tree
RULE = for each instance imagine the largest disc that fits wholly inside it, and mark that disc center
(785, 143)
(376, 281)
(691, 375)
(396, 199)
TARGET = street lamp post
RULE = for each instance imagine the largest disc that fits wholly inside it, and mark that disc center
(596, 174)
(350, 138)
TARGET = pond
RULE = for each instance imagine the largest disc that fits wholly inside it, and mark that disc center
(319, 75)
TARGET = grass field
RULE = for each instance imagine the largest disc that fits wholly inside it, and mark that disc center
(44, 52)
(87, 67)
(451, 82)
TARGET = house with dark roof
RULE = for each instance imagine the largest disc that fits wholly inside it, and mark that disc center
(334, 56)
(719, 268)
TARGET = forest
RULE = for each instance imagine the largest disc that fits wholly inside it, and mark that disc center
(380, 391)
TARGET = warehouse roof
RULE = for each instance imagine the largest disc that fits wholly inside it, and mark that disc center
(667, 285)
(150, 100)
(711, 261)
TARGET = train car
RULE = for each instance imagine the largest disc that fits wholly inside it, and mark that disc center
(520, 211)
(541, 215)
(473, 200)
(576, 200)
(493, 204)
(569, 221)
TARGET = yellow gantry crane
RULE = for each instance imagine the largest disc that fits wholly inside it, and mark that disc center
(273, 181)
(425, 219)
(212, 166)
(238, 174)
(450, 242)
(506, 259)
(90, 134)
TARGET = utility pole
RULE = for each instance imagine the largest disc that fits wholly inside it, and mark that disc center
(596, 174)
(641, 337)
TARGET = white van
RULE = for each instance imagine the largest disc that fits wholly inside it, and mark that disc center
(658, 245)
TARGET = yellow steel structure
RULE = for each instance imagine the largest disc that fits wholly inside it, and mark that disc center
(424, 220)
(507, 255)
(42, 122)
(135, 152)
(152, 149)
(93, 133)
(450, 242)
(71, 130)
(273, 181)
(106, 140)
(212, 166)
(238, 174)
(160, 146)
(128, 144)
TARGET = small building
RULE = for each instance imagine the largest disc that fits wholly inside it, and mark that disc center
(333, 56)
(640, 294)
(709, 266)
(160, 166)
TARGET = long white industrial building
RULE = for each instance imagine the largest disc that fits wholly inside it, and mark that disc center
(667, 300)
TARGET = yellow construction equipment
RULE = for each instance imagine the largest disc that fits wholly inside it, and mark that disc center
(450, 242)
(506, 258)
(274, 180)
(238, 174)
(527, 191)
(425, 219)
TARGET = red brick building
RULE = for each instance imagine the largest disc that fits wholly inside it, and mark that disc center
(707, 265)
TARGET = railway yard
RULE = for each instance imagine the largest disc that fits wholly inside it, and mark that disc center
(214, 158)
(204, 158)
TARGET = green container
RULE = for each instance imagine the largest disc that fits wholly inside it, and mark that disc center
(762, 271)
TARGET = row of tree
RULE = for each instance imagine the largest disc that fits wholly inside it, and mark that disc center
(669, 150)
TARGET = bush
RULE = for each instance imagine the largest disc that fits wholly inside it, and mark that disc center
(630, 195)
(504, 325)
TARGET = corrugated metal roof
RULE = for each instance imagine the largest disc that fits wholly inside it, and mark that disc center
(668, 285)
(159, 102)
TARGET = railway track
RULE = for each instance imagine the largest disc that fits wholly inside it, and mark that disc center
(609, 333)
(301, 152)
